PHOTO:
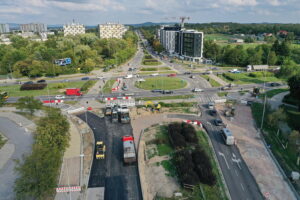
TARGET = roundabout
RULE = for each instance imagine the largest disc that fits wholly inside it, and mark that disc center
(164, 83)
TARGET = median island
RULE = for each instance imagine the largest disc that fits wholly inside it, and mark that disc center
(163, 83)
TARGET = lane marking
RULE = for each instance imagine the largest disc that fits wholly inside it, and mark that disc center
(221, 154)
(242, 187)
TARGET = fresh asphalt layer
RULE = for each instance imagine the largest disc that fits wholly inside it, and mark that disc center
(120, 181)
(239, 180)
(22, 142)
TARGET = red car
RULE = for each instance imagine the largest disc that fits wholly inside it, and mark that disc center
(172, 75)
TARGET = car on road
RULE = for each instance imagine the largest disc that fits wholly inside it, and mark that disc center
(41, 81)
(128, 76)
(167, 92)
(171, 75)
(19, 82)
(225, 88)
(197, 90)
(100, 150)
(28, 82)
(213, 112)
(211, 105)
(187, 72)
(65, 80)
(274, 84)
(100, 77)
(155, 74)
(128, 94)
(59, 97)
(85, 78)
(125, 88)
(192, 76)
(157, 91)
(218, 122)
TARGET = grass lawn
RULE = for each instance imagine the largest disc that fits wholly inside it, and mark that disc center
(243, 78)
(108, 85)
(164, 83)
(159, 72)
(274, 92)
(155, 69)
(211, 81)
(54, 88)
(2, 141)
(165, 97)
(222, 94)
(217, 37)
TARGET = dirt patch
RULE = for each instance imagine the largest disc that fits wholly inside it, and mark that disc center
(255, 154)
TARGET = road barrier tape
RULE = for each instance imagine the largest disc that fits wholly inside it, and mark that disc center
(115, 98)
(69, 189)
(53, 101)
(194, 122)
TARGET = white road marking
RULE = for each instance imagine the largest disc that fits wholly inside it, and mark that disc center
(236, 173)
(237, 161)
(242, 187)
(221, 154)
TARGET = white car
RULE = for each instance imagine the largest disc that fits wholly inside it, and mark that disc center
(100, 77)
(59, 97)
(197, 90)
(155, 74)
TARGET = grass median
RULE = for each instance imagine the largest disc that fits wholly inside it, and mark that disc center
(165, 97)
(108, 86)
(164, 83)
(274, 92)
(211, 81)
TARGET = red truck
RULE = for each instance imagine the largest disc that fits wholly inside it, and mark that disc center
(73, 92)
(171, 75)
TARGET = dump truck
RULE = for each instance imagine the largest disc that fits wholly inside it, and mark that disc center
(73, 92)
(108, 110)
(128, 149)
(100, 150)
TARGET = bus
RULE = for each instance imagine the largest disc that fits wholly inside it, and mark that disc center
(4, 95)
(227, 136)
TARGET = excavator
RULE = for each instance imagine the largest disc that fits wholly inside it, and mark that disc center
(152, 106)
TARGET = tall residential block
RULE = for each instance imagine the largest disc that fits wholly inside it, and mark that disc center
(74, 29)
(4, 28)
(37, 28)
(167, 37)
(189, 45)
(112, 30)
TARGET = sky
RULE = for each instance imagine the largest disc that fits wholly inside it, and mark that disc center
(93, 12)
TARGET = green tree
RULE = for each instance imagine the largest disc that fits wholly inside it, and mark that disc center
(18, 41)
(272, 58)
(29, 104)
(294, 84)
(289, 68)
(275, 117)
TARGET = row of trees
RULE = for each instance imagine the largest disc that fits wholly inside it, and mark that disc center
(191, 161)
(149, 34)
(29, 58)
(39, 171)
(271, 54)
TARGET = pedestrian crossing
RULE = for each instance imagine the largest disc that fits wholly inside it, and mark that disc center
(206, 98)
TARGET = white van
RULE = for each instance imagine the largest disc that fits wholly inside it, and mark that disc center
(227, 136)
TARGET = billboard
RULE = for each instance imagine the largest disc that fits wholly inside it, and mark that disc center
(63, 62)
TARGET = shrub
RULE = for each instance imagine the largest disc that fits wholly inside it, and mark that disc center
(261, 74)
(147, 56)
(189, 133)
(149, 69)
(86, 86)
(35, 86)
(59, 86)
(176, 139)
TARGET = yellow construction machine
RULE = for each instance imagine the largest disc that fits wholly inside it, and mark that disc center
(152, 106)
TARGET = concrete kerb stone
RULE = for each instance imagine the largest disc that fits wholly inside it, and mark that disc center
(138, 163)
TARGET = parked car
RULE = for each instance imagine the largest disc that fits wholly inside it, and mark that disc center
(218, 122)
(197, 90)
(41, 81)
(85, 78)
(157, 91)
(167, 92)
(59, 97)
(213, 112)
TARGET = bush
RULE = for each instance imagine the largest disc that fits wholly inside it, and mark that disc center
(189, 133)
(261, 74)
(35, 86)
(59, 86)
(176, 139)
(86, 86)
(149, 69)
(147, 56)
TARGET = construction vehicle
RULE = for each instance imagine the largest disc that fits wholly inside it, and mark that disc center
(152, 106)
(108, 110)
(3, 95)
(100, 150)
(129, 154)
(114, 114)
(73, 92)
(123, 114)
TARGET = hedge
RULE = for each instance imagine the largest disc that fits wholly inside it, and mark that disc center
(35, 86)
(261, 74)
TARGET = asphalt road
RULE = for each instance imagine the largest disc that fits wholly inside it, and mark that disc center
(240, 182)
(21, 142)
(120, 181)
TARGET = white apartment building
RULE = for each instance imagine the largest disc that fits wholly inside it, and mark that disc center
(74, 29)
(167, 36)
(4, 28)
(36, 28)
(112, 30)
